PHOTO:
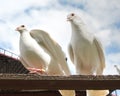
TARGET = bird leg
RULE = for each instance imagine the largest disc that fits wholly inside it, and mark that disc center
(37, 71)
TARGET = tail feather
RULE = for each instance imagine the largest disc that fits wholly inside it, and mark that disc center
(97, 92)
(67, 92)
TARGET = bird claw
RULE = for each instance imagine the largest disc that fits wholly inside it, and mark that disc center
(37, 71)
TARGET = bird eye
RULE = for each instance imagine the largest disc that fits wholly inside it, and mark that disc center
(22, 25)
(72, 14)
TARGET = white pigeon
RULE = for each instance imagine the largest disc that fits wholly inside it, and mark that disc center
(39, 53)
(85, 52)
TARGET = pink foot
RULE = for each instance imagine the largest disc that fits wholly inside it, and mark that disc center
(37, 71)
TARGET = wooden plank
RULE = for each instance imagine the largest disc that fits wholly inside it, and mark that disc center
(39, 93)
(79, 82)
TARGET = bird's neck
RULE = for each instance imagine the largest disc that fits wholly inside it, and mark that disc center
(80, 31)
(78, 28)
(24, 32)
(25, 35)
(25, 40)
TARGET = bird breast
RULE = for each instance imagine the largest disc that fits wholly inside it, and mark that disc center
(32, 52)
(84, 52)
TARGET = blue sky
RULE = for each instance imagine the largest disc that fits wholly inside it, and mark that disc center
(102, 18)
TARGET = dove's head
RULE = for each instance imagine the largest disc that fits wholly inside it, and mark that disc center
(21, 28)
(74, 18)
(71, 17)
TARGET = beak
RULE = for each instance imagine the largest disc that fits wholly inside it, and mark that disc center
(69, 19)
(17, 29)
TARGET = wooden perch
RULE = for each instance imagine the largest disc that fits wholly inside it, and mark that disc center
(76, 82)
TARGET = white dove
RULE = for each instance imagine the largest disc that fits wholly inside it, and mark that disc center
(39, 53)
(85, 52)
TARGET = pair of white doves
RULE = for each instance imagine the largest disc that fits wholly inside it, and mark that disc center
(40, 54)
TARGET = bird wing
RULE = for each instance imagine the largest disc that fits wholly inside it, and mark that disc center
(70, 51)
(100, 52)
(51, 47)
(46, 42)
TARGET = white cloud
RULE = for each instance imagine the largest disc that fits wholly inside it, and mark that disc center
(104, 37)
(114, 57)
(13, 7)
(105, 11)
(116, 37)
(110, 69)
(111, 60)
